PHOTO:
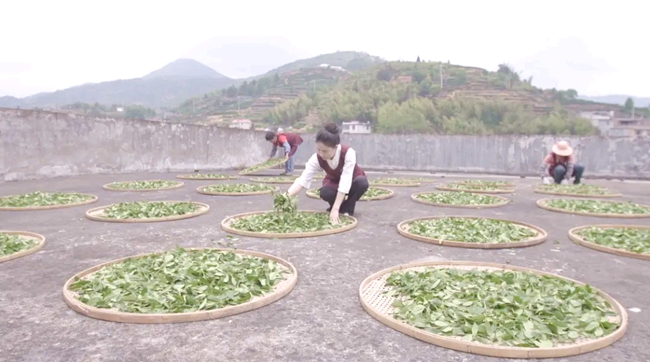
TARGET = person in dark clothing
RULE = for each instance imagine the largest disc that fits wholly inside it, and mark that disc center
(344, 182)
(289, 142)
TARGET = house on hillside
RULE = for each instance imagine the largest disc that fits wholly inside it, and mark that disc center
(603, 120)
(356, 127)
(630, 127)
(241, 124)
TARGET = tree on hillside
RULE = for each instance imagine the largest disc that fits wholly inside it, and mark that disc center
(571, 94)
(629, 105)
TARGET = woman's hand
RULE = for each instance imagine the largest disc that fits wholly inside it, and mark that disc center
(334, 217)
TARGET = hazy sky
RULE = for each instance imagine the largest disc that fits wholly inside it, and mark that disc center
(594, 47)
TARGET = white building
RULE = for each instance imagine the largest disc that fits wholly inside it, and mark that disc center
(241, 124)
(356, 127)
(601, 120)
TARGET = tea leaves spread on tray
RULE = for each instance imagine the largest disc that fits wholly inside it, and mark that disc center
(179, 281)
(276, 179)
(39, 198)
(371, 193)
(214, 176)
(393, 181)
(471, 230)
(477, 187)
(264, 165)
(492, 184)
(459, 198)
(14, 243)
(508, 308)
(142, 185)
(598, 206)
(629, 239)
(238, 188)
(148, 209)
(580, 189)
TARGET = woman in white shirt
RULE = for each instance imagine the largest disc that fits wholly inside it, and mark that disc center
(342, 174)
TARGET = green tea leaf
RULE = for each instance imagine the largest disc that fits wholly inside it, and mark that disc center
(39, 198)
(14, 243)
(580, 189)
(148, 209)
(599, 206)
(471, 230)
(238, 188)
(142, 185)
(459, 198)
(624, 238)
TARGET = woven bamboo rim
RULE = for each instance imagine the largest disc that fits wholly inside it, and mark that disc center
(538, 190)
(251, 193)
(310, 193)
(93, 199)
(192, 177)
(278, 162)
(281, 290)
(402, 229)
(178, 185)
(375, 183)
(262, 180)
(542, 204)
(379, 307)
(505, 185)
(504, 202)
(494, 191)
(225, 225)
(29, 235)
(95, 214)
(606, 249)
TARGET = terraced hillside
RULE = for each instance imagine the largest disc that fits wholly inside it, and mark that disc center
(233, 103)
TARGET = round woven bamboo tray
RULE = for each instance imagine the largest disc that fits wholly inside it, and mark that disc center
(606, 249)
(95, 214)
(375, 183)
(505, 185)
(494, 191)
(27, 235)
(281, 289)
(178, 185)
(200, 177)
(214, 193)
(503, 202)
(542, 204)
(278, 162)
(225, 225)
(379, 306)
(402, 229)
(93, 199)
(311, 193)
(267, 181)
(537, 190)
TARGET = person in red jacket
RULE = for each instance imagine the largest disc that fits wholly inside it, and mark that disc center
(561, 166)
(289, 142)
(344, 182)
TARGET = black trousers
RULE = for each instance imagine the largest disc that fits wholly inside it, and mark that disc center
(359, 187)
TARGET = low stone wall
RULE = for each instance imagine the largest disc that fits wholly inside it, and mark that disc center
(40, 144)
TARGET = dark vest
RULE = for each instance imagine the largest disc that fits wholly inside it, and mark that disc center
(333, 176)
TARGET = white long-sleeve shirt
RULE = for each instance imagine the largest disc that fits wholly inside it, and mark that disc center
(312, 168)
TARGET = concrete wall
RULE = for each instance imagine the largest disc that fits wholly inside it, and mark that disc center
(38, 144)
(509, 155)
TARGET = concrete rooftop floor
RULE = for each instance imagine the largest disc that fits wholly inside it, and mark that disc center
(321, 319)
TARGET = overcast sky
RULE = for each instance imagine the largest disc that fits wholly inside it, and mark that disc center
(596, 48)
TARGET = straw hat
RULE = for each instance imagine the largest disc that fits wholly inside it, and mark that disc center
(562, 148)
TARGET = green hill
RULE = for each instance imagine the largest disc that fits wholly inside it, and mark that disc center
(349, 60)
(431, 97)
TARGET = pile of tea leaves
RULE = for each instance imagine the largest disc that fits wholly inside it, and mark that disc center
(238, 188)
(263, 166)
(210, 176)
(39, 198)
(458, 198)
(598, 206)
(493, 184)
(635, 240)
(148, 209)
(506, 308)
(580, 189)
(394, 181)
(275, 179)
(14, 243)
(471, 230)
(477, 187)
(179, 281)
(371, 193)
(142, 185)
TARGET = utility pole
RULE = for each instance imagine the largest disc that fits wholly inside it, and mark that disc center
(441, 76)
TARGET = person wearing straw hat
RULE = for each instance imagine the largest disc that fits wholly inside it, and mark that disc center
(560, 165)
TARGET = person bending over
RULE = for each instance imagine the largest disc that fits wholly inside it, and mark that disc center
(560, 165)
(289, 142)
(343, 177)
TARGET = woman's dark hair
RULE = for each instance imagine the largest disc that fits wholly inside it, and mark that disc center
(329, 135)
(270, 135)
